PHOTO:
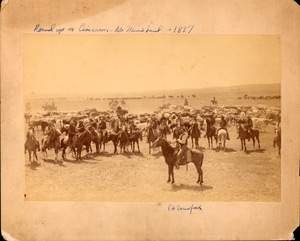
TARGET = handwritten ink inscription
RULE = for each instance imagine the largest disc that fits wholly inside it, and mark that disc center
(184, 209)
(85, 28)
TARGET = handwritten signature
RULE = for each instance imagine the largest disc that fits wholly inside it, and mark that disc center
(85, 28)
(180, 208)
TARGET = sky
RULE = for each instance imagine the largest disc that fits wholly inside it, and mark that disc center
(71, 65)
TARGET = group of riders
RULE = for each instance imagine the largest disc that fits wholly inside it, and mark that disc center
(175, 124)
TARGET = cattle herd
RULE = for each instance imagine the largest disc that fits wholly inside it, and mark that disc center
(89, 129)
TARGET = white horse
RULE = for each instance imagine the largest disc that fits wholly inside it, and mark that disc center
(222, 137)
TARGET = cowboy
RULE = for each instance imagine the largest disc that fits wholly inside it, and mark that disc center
(182, 153)
(194, 131)
(102, 124)
(80, 128)
(223, 125)
(249, 125)
(31, 133)
(71, 131)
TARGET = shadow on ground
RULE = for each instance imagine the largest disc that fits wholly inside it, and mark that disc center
(196, 187)
(255, 151)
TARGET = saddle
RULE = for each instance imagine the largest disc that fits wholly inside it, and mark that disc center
(187, 159)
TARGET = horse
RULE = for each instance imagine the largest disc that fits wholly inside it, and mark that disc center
(95, 138)
(80, 140)
(31, 145)
(114, 138)
(152, 134)
(245, 134)
(51, 140)
(102, 137)
(222, 137)
(134, 137)
(170, 156)
(195, 135)
(66, 141)
(210, 133)
(123, 140)
(277, 140)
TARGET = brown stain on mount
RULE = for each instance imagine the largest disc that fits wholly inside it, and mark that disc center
(27, 13)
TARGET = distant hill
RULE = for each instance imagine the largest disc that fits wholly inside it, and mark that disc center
(251, 90)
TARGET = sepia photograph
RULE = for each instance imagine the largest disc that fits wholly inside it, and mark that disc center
(136, 118)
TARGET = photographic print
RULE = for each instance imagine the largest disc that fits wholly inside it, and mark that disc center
(136, 118)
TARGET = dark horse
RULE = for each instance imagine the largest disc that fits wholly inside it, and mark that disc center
(210, 133)
(245, 134)
(80, 140)
(123, 140)
(114, 138)
(195, 134)
(134, 137)
(95, 138)
(52, 140)
(170, 155)
(32, 145)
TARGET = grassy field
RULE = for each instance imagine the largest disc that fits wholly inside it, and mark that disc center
(228, 176)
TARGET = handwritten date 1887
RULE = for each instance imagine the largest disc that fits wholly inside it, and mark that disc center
(181, 29)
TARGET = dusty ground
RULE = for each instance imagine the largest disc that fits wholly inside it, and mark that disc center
(228, 176)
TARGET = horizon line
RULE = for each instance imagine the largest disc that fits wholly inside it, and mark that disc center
(56, 95)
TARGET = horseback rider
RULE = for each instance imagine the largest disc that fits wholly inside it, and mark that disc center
(195, 130)
(80, 128)
(241, 121)
(249, 126)
(223, 125)
(31, 134)
(102, 124)
(71, 131)
(182, 142)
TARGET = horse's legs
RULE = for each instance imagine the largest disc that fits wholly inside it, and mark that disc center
(149, 147)
(115, 147)
(208, 142)
(198, 170)
(35, 155)
(253, 140)
(169, 173)
(258, 141)
(192, 142)
(63, 153)
(172, 172)
(197, 142)
(78, 153)
(29, 152)
(97, 147)
(138, 145)
(245, 148)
